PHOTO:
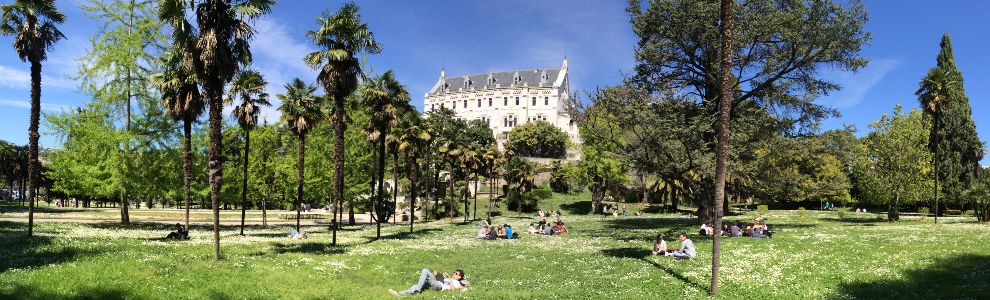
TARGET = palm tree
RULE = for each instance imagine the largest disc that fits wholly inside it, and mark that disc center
(341, 37)
(493, 159)
(414, 137)
(300, 112)
(934, 95)
(222, 48)
(469, 163)
(247, 84)
(180, 95)
(383, 96)
(33, 22)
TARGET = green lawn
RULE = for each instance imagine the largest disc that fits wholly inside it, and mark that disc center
(818, 257)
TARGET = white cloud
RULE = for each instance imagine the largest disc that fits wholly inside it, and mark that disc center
(20, 79)
(278, 54)
(44, 106)
(855, 85)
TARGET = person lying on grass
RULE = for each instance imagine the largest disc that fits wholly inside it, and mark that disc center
(687, 248)
(434, 282)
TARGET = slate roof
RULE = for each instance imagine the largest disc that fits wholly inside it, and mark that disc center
(503, 78)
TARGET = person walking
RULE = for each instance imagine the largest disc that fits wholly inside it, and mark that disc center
(623, 210)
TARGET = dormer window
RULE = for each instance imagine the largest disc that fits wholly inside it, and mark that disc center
(467, 82)
(544, 77)
(516, 79)
(491, 79)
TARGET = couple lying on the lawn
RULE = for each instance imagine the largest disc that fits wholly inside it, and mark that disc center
(435, 282)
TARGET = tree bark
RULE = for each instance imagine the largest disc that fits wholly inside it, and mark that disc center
(247, 148)
(450, 202)
(301, 176)
(380, 195)
(892, 214)
(937, 121)
(338, 153)
(722, 149)
(413, 173)
(216, 161)
(395, 185)
(33, 141)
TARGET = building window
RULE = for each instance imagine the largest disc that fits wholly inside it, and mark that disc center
(479, 102)
(465, 103)
(506, 99)
(534, 101)
(546, 100)
(506, 122)
(489, 102)
(515, 121)
(433, 106)
(517, 100)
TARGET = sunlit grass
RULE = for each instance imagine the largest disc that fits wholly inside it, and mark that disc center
(816, 257)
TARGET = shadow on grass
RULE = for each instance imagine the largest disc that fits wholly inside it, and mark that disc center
(577, 207)
(27, 252)
(21, 291)
(642, 254)
(299, 246)
(957, 277)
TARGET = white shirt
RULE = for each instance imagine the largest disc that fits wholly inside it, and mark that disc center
(481, 233)
(447, 284)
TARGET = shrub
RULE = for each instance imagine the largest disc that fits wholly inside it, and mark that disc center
(968, 213)
(542, 193)
(923, 212)
(632, 197)
(762, 209)
(841, 214)
(801, 212)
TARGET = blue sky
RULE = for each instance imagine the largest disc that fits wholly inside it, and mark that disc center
(470, 37)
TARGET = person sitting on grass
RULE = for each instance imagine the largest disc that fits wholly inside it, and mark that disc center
(734, 231)
(704, 230)
(492, 233)
(561, 228)
(725, 230)
(508, 231)
(640, 213)
(660, 246)
(501, 232)
(426, 279)
(482, 233)
(687, 248)
(180, 233)
(532, 229)
(548, 230)
(748, 231)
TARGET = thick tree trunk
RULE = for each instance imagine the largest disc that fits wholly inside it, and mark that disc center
(33, 141)
(338, 153)
(247, 147)
(301, 176)
(413, 173)
(216, 161)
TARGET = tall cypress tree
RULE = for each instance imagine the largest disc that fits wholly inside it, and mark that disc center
(957, 138)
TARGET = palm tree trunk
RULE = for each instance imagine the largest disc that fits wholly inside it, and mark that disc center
(413, 173)
(450, 203)
(475, 195)
(33, 140)
(374, 176)
(247, 148)
(426, 202)
(937, 119)
(395, 184)
(466, 209)
(338, 153)
(299, 181)
(216, 159)
(379, 196)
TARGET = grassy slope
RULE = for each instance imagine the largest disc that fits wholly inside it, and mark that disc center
(817, 256)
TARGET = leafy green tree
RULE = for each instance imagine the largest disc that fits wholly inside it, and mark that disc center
(979, 195)
(954, 139)
(934, 95)
(222, 48)
(250, 86)
(599, 168)
(480, 132)
(340, 37)
(519, 174)
(894, 161)
(33, 22)
(383, 97)
(414, 136)
(538, 139)
(300, 112)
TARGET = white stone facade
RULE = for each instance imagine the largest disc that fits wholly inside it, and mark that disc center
(506, 99)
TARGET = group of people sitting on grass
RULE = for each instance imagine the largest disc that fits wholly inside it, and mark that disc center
(543, 214)
(757, 229)
(546, 228)
(685, 252)
(496, 232)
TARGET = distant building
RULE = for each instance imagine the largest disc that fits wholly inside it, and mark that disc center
(986, 167)
(506, 99)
